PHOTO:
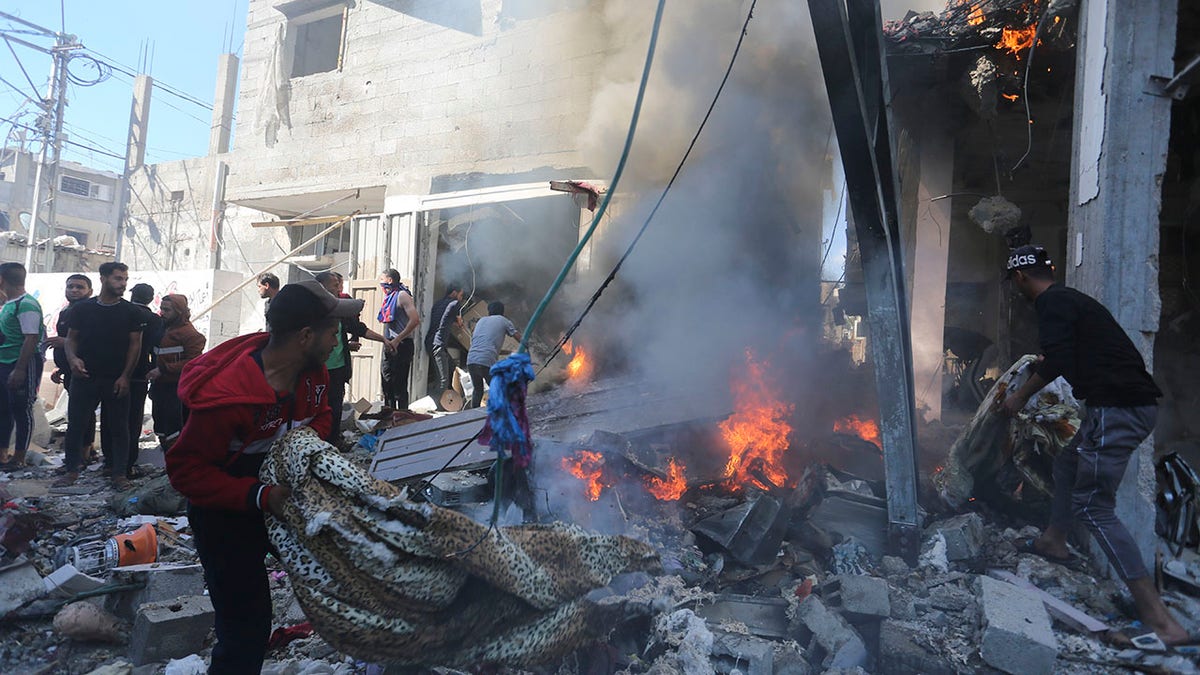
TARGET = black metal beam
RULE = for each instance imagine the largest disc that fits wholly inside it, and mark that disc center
(848, 34)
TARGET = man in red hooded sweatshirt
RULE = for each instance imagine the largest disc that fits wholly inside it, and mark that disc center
(242, 396)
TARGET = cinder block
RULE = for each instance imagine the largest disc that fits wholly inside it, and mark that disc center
(171, 629)
(162, 582)
(1016, 630)
(964, 536)
(750, 655)
(833, 640)
(862, 598)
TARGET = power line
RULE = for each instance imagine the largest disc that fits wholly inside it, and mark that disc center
(109, 139)
(70, 142)
(18, 90)
(649, 218)
(625, 151)
(8, 43)
(158, 84)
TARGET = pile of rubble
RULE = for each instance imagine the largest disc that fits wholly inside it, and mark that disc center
(756, 580)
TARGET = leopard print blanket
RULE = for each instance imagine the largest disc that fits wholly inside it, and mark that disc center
(384, 579)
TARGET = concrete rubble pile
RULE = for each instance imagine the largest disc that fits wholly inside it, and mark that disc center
(759, 580)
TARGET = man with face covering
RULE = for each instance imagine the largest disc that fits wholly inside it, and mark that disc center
(242, 396)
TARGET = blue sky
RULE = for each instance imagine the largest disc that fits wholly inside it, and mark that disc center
(185, 38)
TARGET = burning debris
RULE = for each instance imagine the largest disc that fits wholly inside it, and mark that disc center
(1008, 26)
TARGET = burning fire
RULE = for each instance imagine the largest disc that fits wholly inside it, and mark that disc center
(580, 367)
(1010, 97)
(868, 430)
(758, 428)
(670, 488)
(587, 466)
(976, 16)
(1016, 40)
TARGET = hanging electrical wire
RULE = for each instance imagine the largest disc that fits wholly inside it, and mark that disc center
(661, 197)
(612, 188)
(103, 70)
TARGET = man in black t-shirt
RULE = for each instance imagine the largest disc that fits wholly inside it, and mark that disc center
(140, 296)
(78, 287)
(1083, 343)
(103, 345)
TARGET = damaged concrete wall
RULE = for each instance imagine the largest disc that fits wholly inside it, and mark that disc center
(1121, 135)
(424, 89)
(170, 220)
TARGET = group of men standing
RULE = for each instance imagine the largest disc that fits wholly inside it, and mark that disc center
(108, 352)
(399, 315)
(400, 322)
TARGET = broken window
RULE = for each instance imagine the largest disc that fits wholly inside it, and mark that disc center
(317, 39)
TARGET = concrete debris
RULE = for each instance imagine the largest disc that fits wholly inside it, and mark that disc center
(749, 655)
(171, 629)
(860, 598)
(773, 582)
(1016, 630)
(933, 554)
(66, 581)
(996, 215)
(19, 583)
(828, 635)
(691, 638)
(159, 582)
(963, 535)
(905, 654)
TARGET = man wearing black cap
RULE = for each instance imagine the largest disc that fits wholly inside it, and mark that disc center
(1082, 342)
(242, 396)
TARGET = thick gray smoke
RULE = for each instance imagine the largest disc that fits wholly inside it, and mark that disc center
(731, 259)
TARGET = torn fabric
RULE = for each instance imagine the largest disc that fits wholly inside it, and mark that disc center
(991, 440)
(383, 578)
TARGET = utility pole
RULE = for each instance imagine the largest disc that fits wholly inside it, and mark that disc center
(50, 125)
(135, 148)
(65, 44)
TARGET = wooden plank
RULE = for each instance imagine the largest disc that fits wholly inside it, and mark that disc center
(1058, 609)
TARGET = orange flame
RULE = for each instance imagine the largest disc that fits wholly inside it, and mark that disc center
(868, 430)
(1016, 40)
(670, 488)
(976, 16)
(580, 367)
(758, 428)
(587, 466)
(1010, 97)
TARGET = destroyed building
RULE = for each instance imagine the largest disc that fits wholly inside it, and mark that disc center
(704, 409)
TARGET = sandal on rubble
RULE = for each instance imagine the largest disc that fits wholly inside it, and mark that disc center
(68, 479)
(1071, 562)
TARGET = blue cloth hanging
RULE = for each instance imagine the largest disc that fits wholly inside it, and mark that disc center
(507, 427)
